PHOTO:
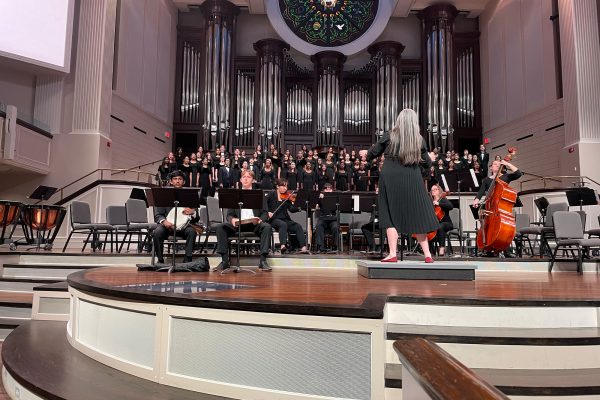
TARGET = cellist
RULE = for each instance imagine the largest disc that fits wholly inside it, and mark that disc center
(513, 175)
(439, 200)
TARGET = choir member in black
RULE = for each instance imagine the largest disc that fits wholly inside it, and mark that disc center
(253, 166)
(260, 157)
(236, 160)
(275, 158)
(326, 219)
(172, 162)
(330, 163)
(513, 175)
(323, 177)
(205, 179)
(307, 178)
(291, 175)
(165, 227)
(404, 204)
(341, 178)
(226, 175)
(164, 170)
(348, 163)
(186, 168)
(217, 156)
(353, 156)
(374, 175)
(278, 205)
(362, 178)
(194, 171)
(258, 226)
(268, 176)
(438, 198)
(355, 168)
(179, 157)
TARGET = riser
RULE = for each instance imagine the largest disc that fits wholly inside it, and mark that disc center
(100, 259)
(15, 312)
(519, 357)
(18, 286)
(506, 317)
(40, 273)
(396, 394)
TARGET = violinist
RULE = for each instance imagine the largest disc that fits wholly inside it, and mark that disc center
(513, 175)
(445, 205)
(279, 203)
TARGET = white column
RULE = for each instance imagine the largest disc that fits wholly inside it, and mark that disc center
(48, 101)
(580, 56)
(94, 68)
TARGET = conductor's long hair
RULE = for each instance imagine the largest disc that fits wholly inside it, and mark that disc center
(405, 138)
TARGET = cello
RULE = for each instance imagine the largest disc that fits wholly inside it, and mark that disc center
(496, 213)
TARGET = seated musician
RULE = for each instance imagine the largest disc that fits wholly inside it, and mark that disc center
(368, 229)
(513, 175)
(437, 195)
(326, 220)
(229, 228)
(166, 227)
(280, 218)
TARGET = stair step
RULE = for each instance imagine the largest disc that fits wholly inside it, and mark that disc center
(497, 336)
(62, 286)
(52, 266)
(523, 382)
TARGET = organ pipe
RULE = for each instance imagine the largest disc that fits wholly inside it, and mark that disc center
(385, 57)
(220, 21)
(438, 23)
(271, 67)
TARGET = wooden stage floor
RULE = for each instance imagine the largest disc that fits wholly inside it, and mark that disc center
(341, 292)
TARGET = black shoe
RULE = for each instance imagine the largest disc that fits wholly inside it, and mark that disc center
(223, 265)
(264, 266)
(283, 249)
(187, 259)
(160, 261)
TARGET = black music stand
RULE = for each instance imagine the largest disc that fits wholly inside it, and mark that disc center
(307, 200)
(240, 198)
(172, 197)
(542, 204)
(139, 194)
(475, 212)
(338, 203)
(582, 196)
(42, 193)
(370, 203)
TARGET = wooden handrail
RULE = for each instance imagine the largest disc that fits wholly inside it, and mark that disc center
(558, 178)
(137, 167)
(440, 375)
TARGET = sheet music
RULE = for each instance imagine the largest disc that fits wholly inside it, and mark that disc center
(356, 201)
(446, 189)
(474, 177)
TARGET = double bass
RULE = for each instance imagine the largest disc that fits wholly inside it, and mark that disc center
(496, 213)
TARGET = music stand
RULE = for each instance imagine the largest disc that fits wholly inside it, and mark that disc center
(307, 200)
(582, 196)
(173, 197)
(42, 193)
(139, 194)
(337, 202)
(542, 204)
(240, 198)
(370, 203)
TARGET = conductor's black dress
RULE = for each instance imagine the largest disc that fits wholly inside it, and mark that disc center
(404, 203)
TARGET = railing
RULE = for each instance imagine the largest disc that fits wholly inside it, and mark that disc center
(150, 178)
(574, 180)
(428, 372)
(138, 167)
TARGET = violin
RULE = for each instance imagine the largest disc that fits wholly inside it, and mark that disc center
(290, 196)
(439, 213)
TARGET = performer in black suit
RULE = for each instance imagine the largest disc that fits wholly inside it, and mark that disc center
(165, 227)
(326, 219)
(226, 175)
(260, 228)
(278, 205)
(484, 159)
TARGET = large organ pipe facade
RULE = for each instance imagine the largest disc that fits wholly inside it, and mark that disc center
(411, 91)
(244, 108)
(328, 112)
(357, 108)
(270, 92)
(299, 109)
(189, 101)
(387, 93)
(438, 24)
(465, 107)
(219, 30)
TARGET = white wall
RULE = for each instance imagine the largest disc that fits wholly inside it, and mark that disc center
(145, 75)
(129, 146)
(17, 88)
(519, 83)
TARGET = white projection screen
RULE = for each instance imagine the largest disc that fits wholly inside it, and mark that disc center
(37, 32)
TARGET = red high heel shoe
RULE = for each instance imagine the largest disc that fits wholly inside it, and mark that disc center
(428, 260)
(390, 260)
